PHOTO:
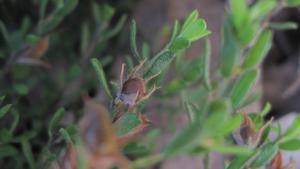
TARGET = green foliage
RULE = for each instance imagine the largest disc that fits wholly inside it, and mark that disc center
(210, 96)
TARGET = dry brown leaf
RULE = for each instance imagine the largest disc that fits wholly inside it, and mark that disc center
(277, 163)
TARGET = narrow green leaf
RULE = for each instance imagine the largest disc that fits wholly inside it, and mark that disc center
(4, 110)
(126, 123)
(261, 8)
(1, 99)
(58, 115)
(207, 54)
(159, 63)
(69, 6)
(116, 29)
(227, 149)
(42, 10)
(283, 25)
(26, 147)
(266, 109)
(175, 31)
(4, 33)
(101, 76)
(15, 122)
(190, 19)
(231, 124)
(241, 162)
(242, 87)
(239, 12)
(179, 44)
(266, 155)
(259, 51)
(7, 151)
(293, 131)
(146, 51)
(133, 45)
(229, 50)
(66, 136)
(32, 39)
(195, 31)
(290, 145)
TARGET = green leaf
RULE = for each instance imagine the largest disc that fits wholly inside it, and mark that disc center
(102, 13)
(42, 9)
(293, 2)
(227, 149)
(218, 113)
(159, 63)
(116, 29)
(4, 110)
(191, 110)
(175, 31)
(207, 54)
(266, 109)
(179, 44)
(1, 99)
(259, 51)
(229, 51)
(266, 155)
(195, 31)
(190, 19)
(126, 123)
(293, 131)
(283, 25)
(101, 75)
(261, 8)
(133, 45)
(241, 162)
(146, 51)
(66, 135)
(7, 151)
(242, 87)
(239, 12)
(59, 114)
(21, 89)
(231, 124)
(26, 147)
(5, 34)
(15, 122)
(290, 145)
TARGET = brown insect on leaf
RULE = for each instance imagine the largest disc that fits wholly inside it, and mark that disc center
(144, 122)
(100, 140)
(277, 163)
(250, 136)
(134, 88)
(32, 55)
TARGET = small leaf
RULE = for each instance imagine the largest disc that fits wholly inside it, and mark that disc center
(159, 63)
(266, 109)
(116, 29)
(32, 39)
(231, 124)
(126, 123)
(283, 25)
(239, 13)
(146, 51)
(4, 110)
(293, 131)
(190, 19)
(261, 8)
(85, 37)
(191, 109)
(175, 31)
(133, 45)
(179, 44)
(66, 135)
(207, 55)
(101, 75)
(266, 155)
(195, 30)
(259, 51)
(227, 149)
(59, 114)
(229, 51)
(26, 147)
(241, 162)
(242, 87)
(290, 145)
(7, 151)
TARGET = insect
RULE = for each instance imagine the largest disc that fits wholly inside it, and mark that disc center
(133, 89)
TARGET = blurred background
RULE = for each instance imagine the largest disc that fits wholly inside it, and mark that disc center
(39, 80)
